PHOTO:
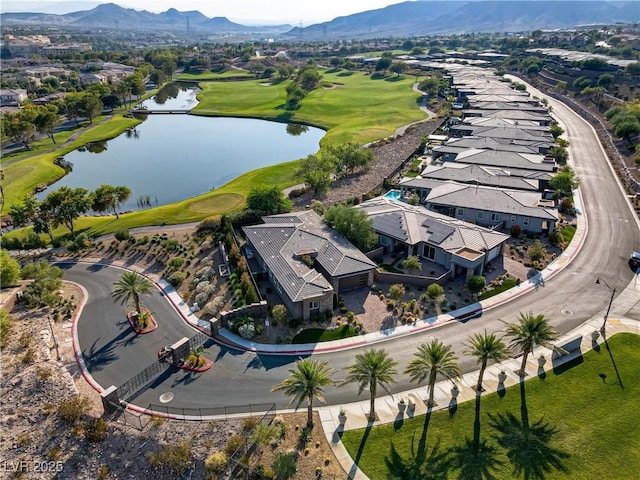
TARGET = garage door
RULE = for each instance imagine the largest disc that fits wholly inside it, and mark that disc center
(356, 281)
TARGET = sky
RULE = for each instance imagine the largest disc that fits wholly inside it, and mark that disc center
(263, 12)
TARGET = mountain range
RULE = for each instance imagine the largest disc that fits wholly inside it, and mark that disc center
(424, 17)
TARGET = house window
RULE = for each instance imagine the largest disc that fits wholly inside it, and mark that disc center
(513, 218)
(459, 212)
(525, 221)
(429, 252)
(314, 305)
(495, 217)
(384, 240)
(480, 215)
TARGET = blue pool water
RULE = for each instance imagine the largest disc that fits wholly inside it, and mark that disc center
(393, 194)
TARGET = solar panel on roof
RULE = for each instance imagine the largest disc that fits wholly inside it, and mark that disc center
(438, 231)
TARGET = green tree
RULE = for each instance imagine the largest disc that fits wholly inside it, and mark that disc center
(15, 127)
(268, 200)
(90, 107)
(305, 382)
(486, 347)
(43, 291)
(383, 64)
(309, 77)
(433, 359)
(564, 182)
(531, 330)
(24, 212)
(371, 369)
(605, 80)
(279, 314)
(397, 68)
(130, 287)
(476, 283)
(412, 263)
(354, 224)
(47, 120)
(9, 269)
(559, 153)
(108, 197)
(316, 170)
(347, 158)
(556, 130)
(67, 205)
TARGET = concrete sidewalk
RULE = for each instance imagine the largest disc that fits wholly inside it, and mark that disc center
(496, 377)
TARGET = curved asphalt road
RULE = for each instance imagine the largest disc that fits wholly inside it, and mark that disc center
(113, 353)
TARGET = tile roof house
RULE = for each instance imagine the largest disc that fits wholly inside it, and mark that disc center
(493, 207)
(306, 261)
(12, 97)
(458, 246)
(503, 177)
(527, 158)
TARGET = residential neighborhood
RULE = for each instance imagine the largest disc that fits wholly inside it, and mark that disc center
(294, 241)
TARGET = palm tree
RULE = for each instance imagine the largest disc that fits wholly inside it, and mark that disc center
(129, 288)
(433, 358)
(486, 347)
(370, 369)
(531, 330)
(305, 382)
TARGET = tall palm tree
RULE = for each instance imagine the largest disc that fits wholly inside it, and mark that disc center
(486, 347)
(305, 382)
(531, 330)
(370, 369)
(130, 287)
(433, 359)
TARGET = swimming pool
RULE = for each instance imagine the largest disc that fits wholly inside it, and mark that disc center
(393, 194)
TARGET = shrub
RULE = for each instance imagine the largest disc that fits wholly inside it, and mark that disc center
(284, 465)
(210, 224)
(247, 331)
(216, 463)
(434, 292)
(515, 231)
(249, 424)
(122, 234)
(5, 326)
(176, 279)
(396, 291)
(73, 409)
(9, 269)
(476, 283)
(176, 458)
(536, 251)
(95, 430)
(233, 444)
(176, 262)
(80, 242)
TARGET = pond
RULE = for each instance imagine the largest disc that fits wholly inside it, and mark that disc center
(173, 96)
(172, 157)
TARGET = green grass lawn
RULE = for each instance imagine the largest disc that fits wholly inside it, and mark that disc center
(228, 198)
(23, 176)
(316, 335)
(352, 106)
(567, 233)
(506, 285)
(579, 423)
(215, 75)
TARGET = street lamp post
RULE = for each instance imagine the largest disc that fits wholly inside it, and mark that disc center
(606, 315)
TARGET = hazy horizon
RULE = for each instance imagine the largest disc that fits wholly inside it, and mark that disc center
(241, 11)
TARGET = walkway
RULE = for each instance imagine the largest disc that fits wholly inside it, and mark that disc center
(582, 339)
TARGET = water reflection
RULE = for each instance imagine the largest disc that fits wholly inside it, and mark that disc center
(295, 129)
